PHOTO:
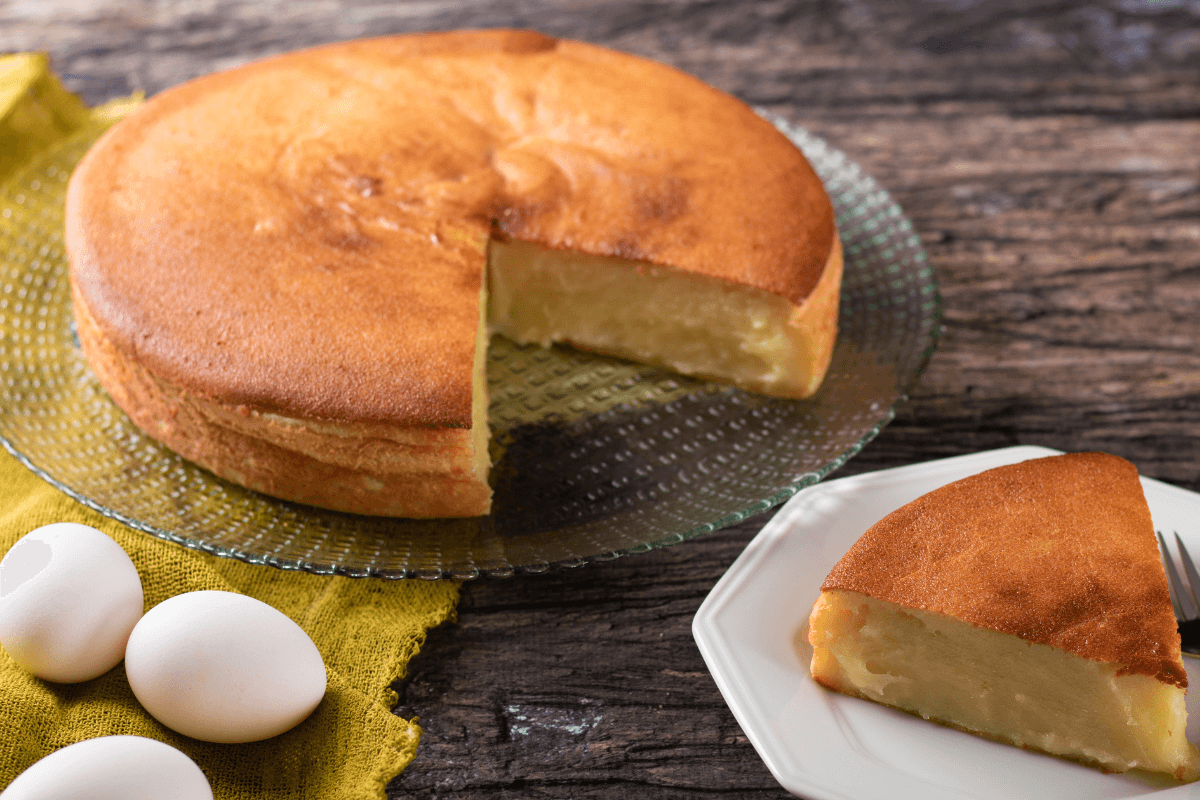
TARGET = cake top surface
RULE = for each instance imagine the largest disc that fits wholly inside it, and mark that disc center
(1058, 550)
(307, 234)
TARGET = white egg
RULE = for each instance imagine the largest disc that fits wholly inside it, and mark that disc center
(223, 667)
(112, 768)
(69, 596)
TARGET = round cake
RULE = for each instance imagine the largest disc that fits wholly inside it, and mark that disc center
(281, 271)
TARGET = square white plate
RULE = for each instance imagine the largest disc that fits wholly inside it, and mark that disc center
(821, 745)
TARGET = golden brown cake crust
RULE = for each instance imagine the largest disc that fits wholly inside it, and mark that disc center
(372, 469)
(306, 235)
(1057, 550)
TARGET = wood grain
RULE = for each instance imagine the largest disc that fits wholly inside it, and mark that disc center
(1047, 153)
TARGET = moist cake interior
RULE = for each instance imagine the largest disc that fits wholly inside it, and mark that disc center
(687, 322)
(1021, 692)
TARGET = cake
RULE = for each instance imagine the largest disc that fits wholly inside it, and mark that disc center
(1026, 604)
(288, 272)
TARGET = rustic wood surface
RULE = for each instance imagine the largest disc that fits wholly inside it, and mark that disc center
(1049, 154)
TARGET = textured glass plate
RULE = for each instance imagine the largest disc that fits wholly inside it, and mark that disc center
(826, 746)
(594, 457)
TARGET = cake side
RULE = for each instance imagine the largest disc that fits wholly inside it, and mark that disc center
(1058, 551)
(999, 686)
(378, 469)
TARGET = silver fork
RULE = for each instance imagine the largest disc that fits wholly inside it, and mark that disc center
(1183, 595)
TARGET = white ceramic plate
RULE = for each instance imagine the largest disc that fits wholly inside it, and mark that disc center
(821, 745)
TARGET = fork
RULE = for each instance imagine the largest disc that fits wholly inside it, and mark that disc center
(1183, 595)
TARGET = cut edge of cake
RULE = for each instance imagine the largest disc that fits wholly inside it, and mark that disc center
(877, 664)
(690, 323)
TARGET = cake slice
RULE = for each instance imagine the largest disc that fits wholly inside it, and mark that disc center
(1026, 604)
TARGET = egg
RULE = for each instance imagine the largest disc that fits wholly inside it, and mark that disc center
(223, 667)
(112, 768)
(69, 596)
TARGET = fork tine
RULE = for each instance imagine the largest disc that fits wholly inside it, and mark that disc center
(1190, 568)
(1173, 581)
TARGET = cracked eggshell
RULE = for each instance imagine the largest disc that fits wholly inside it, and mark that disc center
(112, 768)
(69, 596)
(223, 667)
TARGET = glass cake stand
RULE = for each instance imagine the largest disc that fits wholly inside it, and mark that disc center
(595, 458)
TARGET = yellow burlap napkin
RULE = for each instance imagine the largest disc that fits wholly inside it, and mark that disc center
(366, 630)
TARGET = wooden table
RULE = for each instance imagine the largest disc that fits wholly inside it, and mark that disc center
(1047, 152)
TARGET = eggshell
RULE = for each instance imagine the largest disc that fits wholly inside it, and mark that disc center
(112, 768)
(69, 596)
(223, 667)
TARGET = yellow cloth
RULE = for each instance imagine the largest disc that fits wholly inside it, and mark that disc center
(366, 630)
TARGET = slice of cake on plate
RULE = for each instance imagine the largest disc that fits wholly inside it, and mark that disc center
(1027, 604)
